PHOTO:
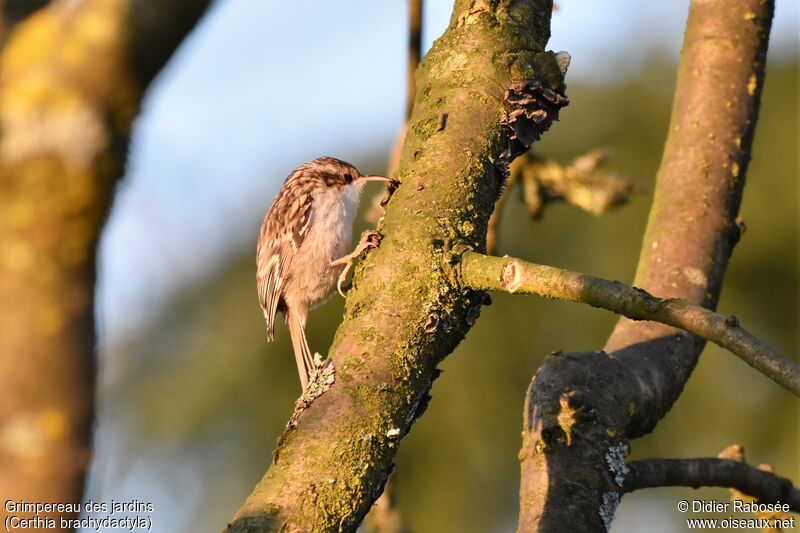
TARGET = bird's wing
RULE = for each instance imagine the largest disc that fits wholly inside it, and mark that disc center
(282, 233)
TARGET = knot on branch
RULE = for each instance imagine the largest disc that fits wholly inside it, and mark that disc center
(534, 108)
(511, 276)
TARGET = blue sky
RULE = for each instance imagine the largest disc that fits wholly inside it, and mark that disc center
(261, 87)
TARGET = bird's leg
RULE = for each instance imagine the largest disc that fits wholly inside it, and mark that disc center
(369, 239)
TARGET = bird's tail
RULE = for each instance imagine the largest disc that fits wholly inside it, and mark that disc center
(302, 354)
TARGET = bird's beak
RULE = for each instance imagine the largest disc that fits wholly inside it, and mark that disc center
(374, 178)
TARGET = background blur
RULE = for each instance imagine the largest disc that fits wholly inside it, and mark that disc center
(192, 397)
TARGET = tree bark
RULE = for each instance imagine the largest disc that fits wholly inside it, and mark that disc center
(712, 472)
(69, 90)
(477, 91)
(581, 408)
(507, 274)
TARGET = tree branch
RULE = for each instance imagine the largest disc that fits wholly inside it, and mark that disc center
(70, 89)
(581, 408)
(384, 517)
(712, 472)
(414, 52)
(482, 272)
(406, 312)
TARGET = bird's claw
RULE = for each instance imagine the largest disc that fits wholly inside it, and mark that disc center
(369, 239)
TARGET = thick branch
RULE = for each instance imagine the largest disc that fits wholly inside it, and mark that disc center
(693, 226)
(581, 408)
(482, 272)
(405, 313)
(68, 94)
(712, 472)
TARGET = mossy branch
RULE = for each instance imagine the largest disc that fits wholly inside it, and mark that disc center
(483, 272)
(70, 87)
(485, 92)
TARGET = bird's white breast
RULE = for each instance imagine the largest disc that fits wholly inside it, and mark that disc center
(329, 237)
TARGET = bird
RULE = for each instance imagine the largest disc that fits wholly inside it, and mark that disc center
(302, 246)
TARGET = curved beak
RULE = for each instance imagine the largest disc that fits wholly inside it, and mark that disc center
(374, 178)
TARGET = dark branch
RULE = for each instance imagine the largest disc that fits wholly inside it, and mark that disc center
(711, 472)
(414, 51)
(583, 407)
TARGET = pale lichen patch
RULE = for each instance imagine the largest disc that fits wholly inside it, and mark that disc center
(320, 380)
(615, 459)
(471, 15)
(32, 435)
(608, 508)
(695, 276)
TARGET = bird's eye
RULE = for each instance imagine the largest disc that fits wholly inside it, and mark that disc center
(348, 178)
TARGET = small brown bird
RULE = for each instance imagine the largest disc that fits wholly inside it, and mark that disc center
(302, 246)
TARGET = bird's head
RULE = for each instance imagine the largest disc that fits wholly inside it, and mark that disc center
(336, 173)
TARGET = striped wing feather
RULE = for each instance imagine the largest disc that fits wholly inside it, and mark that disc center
(282, 233)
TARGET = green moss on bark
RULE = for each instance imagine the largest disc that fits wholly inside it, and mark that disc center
(407, 311)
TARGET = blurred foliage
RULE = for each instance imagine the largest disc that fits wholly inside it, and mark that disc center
(205, 397)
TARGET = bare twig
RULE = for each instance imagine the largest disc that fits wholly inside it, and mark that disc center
(482, 272)
(735, 452)
(414, 51)
(712, 472)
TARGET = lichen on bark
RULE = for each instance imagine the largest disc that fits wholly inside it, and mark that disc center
(407, 310)
(68, 93)
(691, 233)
